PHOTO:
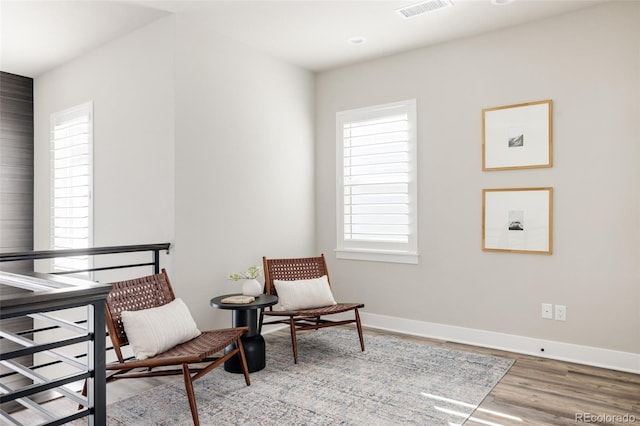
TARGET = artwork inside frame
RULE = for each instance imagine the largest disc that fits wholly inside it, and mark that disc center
(517, 136)
(517, 220)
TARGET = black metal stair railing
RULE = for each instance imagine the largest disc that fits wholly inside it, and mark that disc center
(94, 251)
(43, 296)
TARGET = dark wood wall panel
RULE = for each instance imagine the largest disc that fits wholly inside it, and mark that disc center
(16, 166)
(16, 196)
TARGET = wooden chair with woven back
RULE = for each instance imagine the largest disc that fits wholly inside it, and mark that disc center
(145, 313)
(305, 299)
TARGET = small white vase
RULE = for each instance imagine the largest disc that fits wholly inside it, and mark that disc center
(251, 288)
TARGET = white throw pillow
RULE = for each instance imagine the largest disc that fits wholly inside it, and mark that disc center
(303, 294)
(155, 330)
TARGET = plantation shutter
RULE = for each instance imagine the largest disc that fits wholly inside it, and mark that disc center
(71, 184)
(378, 182)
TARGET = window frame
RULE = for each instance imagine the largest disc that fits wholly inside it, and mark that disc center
(87, 109)
(377, 250)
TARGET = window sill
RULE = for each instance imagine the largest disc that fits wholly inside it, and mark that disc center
(378, 256)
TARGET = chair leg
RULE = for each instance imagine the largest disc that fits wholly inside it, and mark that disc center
(243, 359)
(83, 393)
(294, 341)
(188, 384)
(359, 330)
(260, 321)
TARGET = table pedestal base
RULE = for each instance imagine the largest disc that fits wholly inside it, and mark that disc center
(254, 352)
(252, 342)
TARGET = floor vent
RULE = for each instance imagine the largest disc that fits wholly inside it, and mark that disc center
(424, 7)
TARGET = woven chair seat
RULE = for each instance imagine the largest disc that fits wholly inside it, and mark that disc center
(206, 345)
(314, 312)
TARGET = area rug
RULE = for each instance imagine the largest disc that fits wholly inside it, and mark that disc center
(394, 382)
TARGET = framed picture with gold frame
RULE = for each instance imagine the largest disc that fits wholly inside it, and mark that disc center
(517, 136)
(517, 220)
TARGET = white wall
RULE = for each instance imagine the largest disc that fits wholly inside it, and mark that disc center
(130, 82)
(588, 63)
(244, 163)
(198, 141)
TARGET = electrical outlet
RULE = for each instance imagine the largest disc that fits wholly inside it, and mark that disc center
(547, 311)
(561, 313)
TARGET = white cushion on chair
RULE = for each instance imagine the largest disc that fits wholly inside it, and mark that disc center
(303, 294)
(155, 330)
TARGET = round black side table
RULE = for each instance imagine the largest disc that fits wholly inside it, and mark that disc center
(246, 315)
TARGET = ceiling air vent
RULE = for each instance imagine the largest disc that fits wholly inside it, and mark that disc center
(424, 7)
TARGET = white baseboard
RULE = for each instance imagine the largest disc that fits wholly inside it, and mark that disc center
(588, 355)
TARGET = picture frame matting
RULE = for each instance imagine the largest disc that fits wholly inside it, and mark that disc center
(517, 136)
(517, 220)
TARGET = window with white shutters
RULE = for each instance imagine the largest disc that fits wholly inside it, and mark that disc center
(376, 183)
(71, 184)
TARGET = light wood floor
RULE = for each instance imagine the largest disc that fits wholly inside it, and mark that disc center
(539, 391)
(536, 391)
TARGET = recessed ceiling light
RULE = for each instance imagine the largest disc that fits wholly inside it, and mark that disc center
(501, 2)
(357, 40)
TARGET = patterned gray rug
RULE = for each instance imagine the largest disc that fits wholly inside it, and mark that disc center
(393, 382)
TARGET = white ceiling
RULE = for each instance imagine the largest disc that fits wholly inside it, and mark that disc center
(37, 36)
